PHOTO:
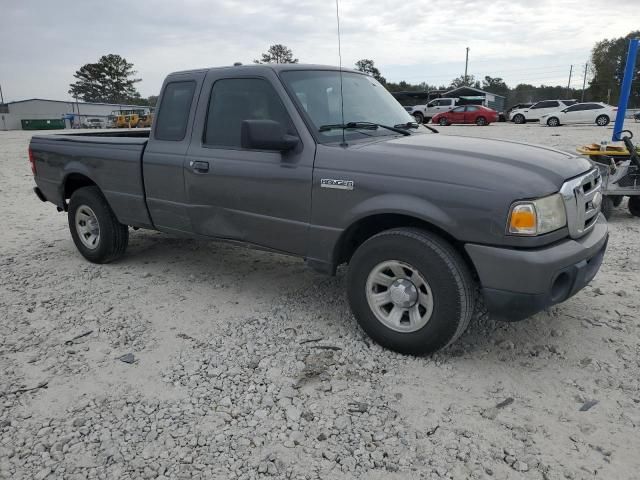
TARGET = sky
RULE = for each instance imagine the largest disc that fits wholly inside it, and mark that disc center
(43, 42)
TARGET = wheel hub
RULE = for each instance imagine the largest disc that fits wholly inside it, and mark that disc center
(403, 293)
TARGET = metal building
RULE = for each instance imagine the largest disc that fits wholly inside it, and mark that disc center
(51, 114)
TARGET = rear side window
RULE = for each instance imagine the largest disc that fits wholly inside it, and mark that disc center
(173, 113)
(234, 100)
(472, 109)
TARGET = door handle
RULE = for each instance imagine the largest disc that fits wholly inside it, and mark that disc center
(199, 166)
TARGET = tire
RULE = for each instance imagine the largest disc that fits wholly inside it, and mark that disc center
(602, 120)
(553, 122)
(481, 121)
(634, 206)
(447, 291)
(87, 209)
(419, 117)
(607, 206)
(443, 122)
(519, 119)
(617, 199)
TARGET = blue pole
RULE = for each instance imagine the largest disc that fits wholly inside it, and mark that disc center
(625, 90)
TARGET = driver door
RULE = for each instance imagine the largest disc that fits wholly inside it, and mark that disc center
(256, 196)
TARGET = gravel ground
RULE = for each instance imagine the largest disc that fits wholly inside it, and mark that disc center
(248, 365)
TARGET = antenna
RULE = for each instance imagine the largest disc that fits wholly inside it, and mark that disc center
(344, 143)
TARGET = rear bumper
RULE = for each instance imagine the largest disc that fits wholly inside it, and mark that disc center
(519, 283)
(39, 194)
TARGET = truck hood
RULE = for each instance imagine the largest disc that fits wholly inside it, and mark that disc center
(524, 169)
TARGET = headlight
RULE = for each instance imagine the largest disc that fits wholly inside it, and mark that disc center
(536, 217)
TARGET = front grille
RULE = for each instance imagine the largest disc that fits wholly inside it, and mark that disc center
(582, 197)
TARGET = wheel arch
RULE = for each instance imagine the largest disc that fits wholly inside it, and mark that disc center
(73, 181)
(369, 225)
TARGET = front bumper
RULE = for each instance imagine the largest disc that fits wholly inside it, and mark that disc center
(519, 283)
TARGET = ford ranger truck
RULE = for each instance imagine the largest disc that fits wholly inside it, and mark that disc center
(324, 164)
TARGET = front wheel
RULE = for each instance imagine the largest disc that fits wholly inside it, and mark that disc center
(602, 121)
(634, 206)
(418, 117)
(607, 206)
(410, 290)
(443, 122)
(95, 230)
(553, 122)
(519, 119)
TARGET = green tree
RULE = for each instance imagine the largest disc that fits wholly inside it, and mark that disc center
(152, 100)
(461, 81)
(608, 59)
(110, 80)
(277, 53)
(495, 85)
(368, 66)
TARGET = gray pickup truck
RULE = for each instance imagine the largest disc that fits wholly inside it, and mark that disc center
(326, 165)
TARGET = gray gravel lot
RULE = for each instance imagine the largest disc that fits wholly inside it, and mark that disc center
(248, 365)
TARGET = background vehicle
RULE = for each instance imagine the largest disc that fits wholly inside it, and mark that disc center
(127, 118)
(94, 123)
(590, 112)
(467, 114)
(517, 106)
(537, 110)
(276, 156)
(620, 170)
(145, 120)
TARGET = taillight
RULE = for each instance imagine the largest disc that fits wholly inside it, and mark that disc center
(32, 162)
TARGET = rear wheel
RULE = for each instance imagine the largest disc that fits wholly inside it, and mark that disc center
(410, 291)
(443, 122)
(519, 119)
(634, 206)
(553, 122)
(616, 199)
(602, 121)
(481, 121)
(419, 117)
(95, 230)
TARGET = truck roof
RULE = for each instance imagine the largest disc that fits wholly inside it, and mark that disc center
(277, 67)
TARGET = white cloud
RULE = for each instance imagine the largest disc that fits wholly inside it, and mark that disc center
(44, 42)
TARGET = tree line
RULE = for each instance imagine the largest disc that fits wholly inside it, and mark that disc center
(112, 79)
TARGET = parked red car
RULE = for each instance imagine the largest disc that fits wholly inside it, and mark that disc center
(467, 114)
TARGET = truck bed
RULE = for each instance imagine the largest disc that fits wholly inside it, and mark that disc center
(112, 160)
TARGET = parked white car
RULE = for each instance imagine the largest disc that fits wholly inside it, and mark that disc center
(424, 113)
(537, 110)
(590, 112)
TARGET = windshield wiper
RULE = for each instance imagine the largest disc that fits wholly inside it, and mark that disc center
(415, 125)
(363, 125)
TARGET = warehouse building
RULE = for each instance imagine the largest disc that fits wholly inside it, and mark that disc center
(38, 113)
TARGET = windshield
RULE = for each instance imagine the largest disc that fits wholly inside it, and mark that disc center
(365, 100)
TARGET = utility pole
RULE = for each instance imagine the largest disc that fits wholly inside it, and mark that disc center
(608, 96)
(1, 96)
(584, 80)
(466, 65)
(569, 84)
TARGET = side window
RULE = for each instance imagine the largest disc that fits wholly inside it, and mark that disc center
(575, 108)
(458, 109)
(472, 109)
(173, 113)
(234, 100)
(545, 104)
(593, 106)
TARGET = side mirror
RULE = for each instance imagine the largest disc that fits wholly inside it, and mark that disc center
(266, 135)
